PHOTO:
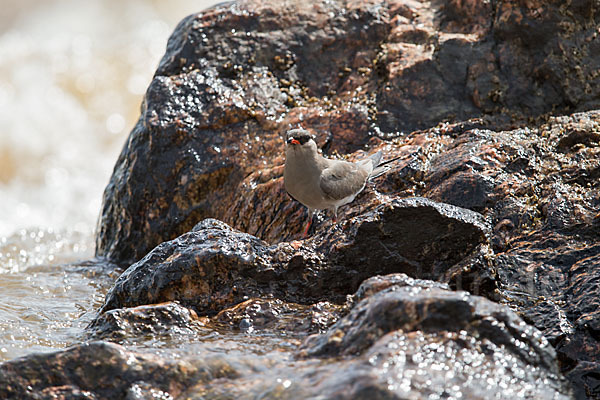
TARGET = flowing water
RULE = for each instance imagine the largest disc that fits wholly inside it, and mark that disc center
(72, 77)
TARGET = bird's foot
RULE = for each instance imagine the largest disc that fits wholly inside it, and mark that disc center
(305, 234)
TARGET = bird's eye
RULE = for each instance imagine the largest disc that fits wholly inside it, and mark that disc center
(303, 139)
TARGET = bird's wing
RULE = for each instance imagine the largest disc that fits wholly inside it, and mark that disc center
(342, 179)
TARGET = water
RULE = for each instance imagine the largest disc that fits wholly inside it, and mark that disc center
(72, 77)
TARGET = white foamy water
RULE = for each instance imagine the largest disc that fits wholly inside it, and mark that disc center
(72, 77)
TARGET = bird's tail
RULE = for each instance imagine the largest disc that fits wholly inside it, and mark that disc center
(380, 168)
(376, 158)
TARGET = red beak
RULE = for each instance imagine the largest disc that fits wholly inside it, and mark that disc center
(294, 141)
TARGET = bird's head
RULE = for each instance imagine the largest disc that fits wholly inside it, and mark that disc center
(300, 140)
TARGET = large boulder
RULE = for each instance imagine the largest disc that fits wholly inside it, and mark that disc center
(235, 77)
(482, 86)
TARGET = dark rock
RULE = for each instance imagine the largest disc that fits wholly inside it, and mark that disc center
(476, 274)
(167, 319)
(410, 325)
(212, 114)
(416, 236)
(95, 370)
(552, 280)
(543, 205)
(274, 315)
(359, 74)
(235, 77)
(586, 380)
(585, 311)
(411, 307)
(213, 266)
(202, 268)
(379, 283)
(413, 338)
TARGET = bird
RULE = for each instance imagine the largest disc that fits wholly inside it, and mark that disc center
(320, 183)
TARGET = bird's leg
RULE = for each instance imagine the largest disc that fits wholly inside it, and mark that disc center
(334, 219)
(310, 217)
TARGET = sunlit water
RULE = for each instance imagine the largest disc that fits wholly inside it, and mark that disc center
(72, 77)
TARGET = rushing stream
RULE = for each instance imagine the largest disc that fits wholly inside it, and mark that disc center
(72, 76)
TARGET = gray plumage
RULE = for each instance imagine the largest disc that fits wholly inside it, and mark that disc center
(320, 183)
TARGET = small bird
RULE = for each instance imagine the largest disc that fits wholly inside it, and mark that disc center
(318, 182)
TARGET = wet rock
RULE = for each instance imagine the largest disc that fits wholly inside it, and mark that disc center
(202, 268)
(586, 380)
(416, 236)
(92, 371)
(167, 319)
(428, 308)
(542, 203)
(549, 279)
(411, 325)
(273, 315)
(476, 274)
(214, 266)
(214, 112)
(379, 283)
(235, 77)
(389, 369)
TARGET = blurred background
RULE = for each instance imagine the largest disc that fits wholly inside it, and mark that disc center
(72, 77)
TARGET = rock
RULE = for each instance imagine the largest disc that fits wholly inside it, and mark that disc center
(166, 319)
(214, 266)
(172, 323)
(409, 325)
(212, 114)
(201, 269)
(415, 235)
(429, 308)
(486, 82)
(393, 368)
(273, 315)
(542, 203)
(585, 380)
(235, 77)
(402, 338)
(92, 371)
(379, 283)
(549, 278)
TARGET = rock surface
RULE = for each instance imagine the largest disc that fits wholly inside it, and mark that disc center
(92, 371)
(214, 267)
(498, 98)
(403, 338)
(160, 320)
(411, 325)
(235, 77)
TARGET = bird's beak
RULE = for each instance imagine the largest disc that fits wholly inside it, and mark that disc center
(292, 141)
